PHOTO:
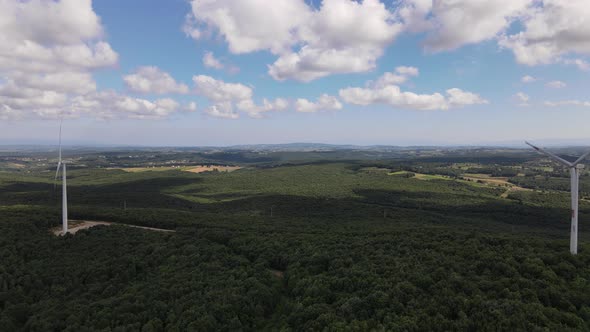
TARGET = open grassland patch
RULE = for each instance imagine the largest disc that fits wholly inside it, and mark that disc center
(375, 169)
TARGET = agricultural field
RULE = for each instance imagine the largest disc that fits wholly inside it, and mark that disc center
(293, 241)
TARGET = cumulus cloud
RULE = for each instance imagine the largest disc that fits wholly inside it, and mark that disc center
(546, 31)
(324, 103)
(151, 79)
(522, 99)
(399, 76)
(218, 90)
(342, 36)
(348, 36)
(191, 107)
(580, 63)
(63, 82)
(527, 79)
(48, 50)
(49, 36)
(391, 94)
(452, 24)
(239, 23)
(458, 98)
(210, 61)
(111, 105)
(257, 111)
(226, 97)
(556, 84)
(551, 29)
(223, 109)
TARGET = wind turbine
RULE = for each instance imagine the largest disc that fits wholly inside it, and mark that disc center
(575, 169)
(64, 200)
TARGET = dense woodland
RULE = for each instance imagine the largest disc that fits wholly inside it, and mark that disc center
(397, 244)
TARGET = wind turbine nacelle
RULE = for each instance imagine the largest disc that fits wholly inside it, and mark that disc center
(580, 166)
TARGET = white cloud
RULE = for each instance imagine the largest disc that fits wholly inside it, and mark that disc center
(547, 31)
(452, 24)
(312, 63)
(458, 98)
(567, 103)
(324, 103)
(241, 25)
(342, 36)
(407, 70)
(50, 36)
(522, 99)
(224, 97)
(552, 28)
(191, 107)
(103, 105)
(580, 63)
(556, 84)
(527, 79)
(51, 22)
(223, 109)
(112, 105)
(47, 52)
(217, 90)
(210, 61)
(386, 91)
(30, 99)
(63, 82)
(257, 111)
(399, 76)
(391, 95)
(151, 79)
(347, 36)
(414, 14)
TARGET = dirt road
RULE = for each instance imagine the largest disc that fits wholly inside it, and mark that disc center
(77, 225)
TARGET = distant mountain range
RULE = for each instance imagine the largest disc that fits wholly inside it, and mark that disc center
(302, 147)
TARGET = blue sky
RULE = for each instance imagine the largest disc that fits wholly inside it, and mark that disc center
(406, 72)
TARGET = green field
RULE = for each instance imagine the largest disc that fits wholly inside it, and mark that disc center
(330, 245)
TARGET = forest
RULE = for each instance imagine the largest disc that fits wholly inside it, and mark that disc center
(343, 240)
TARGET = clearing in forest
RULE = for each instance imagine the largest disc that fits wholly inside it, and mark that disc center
(192, 169)
(209, 168)
(78, 225)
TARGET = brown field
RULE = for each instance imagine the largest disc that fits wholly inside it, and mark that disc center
(203, 168)
(15, 165)
(192, 169)
(495, 181)
(485, 178)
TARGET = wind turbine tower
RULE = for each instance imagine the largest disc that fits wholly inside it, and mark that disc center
(64, 200)
(575, 169)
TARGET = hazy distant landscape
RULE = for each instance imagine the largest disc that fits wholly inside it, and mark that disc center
(293, 238)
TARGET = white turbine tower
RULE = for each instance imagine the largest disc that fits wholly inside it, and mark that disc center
(64, 201)
(575, 169)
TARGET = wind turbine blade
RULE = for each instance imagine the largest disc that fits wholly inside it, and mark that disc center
(59, 158)
(550, 155)
(581, 158)
(57, 170)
